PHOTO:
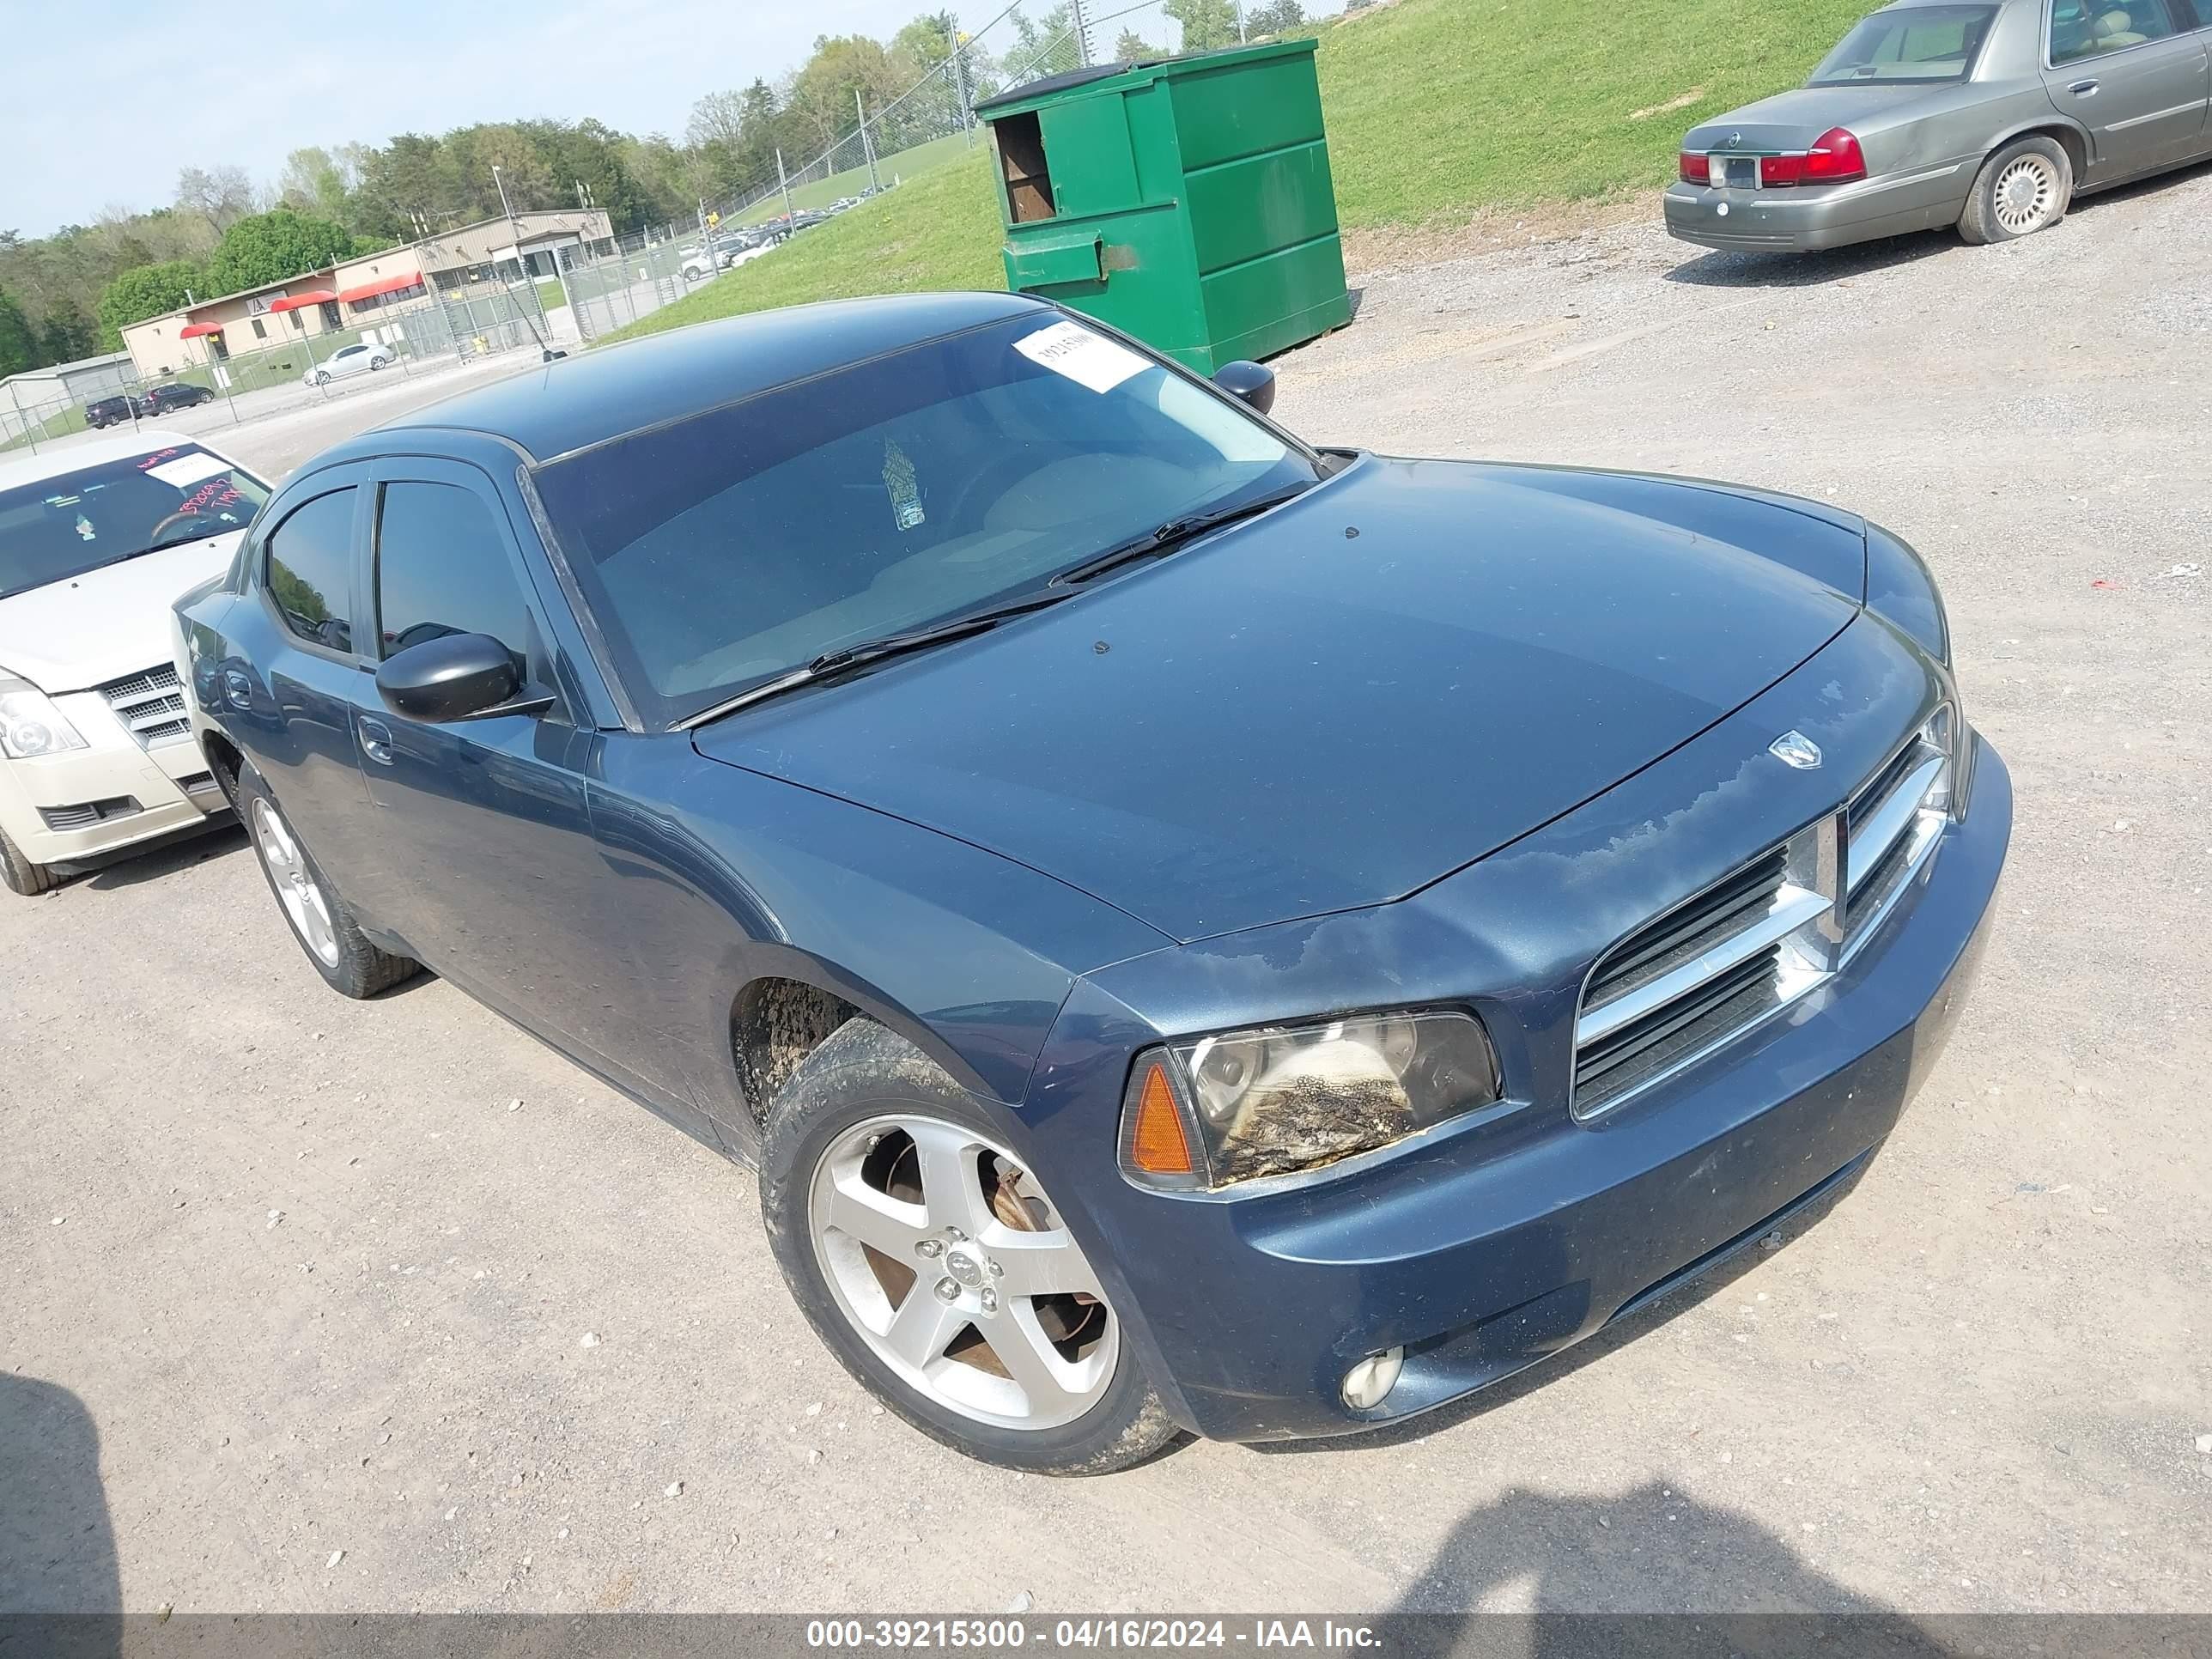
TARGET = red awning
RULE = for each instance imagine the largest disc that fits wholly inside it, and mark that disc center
(193, 330)
(321, 296)
(384, 285)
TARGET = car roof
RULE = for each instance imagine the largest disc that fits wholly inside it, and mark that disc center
(69, 457)
(606, 393)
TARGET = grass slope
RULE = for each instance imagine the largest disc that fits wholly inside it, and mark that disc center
(1437, 109)
(939, 231)
(905, 165)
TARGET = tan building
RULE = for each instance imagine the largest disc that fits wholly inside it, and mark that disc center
(358, 294)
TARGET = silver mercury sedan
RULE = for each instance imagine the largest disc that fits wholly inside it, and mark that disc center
(1990, 116)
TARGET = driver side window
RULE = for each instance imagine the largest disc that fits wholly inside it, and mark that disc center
(442, 567)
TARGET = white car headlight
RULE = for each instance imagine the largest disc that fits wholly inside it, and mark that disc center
(1280, 1099)
(30, 724)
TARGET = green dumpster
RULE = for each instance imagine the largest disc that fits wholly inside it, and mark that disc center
(1187, 202)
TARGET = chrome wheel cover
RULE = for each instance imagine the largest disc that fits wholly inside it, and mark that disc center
(2026, 194)
(1002, 1324)
(301, 896)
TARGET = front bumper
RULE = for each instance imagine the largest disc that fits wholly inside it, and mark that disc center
(169, 786)
(1511, 1234)
(1479, 1266)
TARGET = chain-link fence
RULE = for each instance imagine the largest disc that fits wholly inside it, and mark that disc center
(931, 123)
(432, 329)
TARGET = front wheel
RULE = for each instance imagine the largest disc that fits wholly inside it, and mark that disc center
(17, 871)
(319, 918)
(2025, 187)
(937, 1268)
(322, 377)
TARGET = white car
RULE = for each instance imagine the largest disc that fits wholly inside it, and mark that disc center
(347, 360)
(97, 540)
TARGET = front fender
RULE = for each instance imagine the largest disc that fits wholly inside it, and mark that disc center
(726, 877)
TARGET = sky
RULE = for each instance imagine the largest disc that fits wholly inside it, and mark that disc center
(249, 84)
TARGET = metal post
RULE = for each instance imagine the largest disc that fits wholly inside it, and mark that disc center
(867, 144)
(784, 184)
(222, 379)
(960, 82)
(25, 424)
(1240, 22)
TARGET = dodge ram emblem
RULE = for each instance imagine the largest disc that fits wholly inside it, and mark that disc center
(1795, 748)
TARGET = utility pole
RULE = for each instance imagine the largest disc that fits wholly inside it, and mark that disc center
(1083, 33)
(784, 184)
(867, 144)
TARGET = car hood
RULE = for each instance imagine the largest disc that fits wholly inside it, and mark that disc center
(1339, 703)
(106, 623)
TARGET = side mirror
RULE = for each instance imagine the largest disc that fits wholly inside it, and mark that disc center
(1252, 383)
(452, 678)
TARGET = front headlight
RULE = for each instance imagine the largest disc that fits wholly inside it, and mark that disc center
(30, 724)
(1209, 1112)
(1948, 733)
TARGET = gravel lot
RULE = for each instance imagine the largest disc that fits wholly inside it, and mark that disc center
(320, 1287)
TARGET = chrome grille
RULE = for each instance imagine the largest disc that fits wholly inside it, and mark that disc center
(1752, 942)
(150, 705)
(1893, 824)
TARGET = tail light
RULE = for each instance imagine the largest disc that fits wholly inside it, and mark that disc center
(1697, 169)
(1834, 159)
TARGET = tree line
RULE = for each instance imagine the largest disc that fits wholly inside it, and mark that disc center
(69, 294)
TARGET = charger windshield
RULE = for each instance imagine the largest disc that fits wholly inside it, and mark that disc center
(725, 549)
(66, 524)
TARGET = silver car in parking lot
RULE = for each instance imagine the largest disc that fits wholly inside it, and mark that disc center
(1988, 116)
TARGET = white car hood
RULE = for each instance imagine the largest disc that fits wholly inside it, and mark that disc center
(106, 624)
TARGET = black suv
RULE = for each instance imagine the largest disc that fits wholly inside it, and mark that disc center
(178, 394)
(110, 411)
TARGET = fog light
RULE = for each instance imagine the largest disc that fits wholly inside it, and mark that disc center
(1368, 1384)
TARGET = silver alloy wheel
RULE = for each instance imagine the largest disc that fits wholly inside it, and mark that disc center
(301, 896)
(2026, 194)
(1002, 1324)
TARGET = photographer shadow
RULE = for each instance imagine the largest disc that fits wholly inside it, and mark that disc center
(59, 1586)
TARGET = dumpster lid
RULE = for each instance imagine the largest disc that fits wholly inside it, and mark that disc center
(1062, 82)
(1036, 91)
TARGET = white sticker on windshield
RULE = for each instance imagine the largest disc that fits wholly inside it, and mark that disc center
(188, 470)
(1085, 358)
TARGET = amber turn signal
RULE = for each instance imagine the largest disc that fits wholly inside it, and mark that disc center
(1156, 1143)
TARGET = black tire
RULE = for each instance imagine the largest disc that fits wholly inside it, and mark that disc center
(2040, 164)
(360, 970)
(21, 875)
(856, 1075)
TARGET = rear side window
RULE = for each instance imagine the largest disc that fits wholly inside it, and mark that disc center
(310, 570)
(442, 567)
(2090, 28)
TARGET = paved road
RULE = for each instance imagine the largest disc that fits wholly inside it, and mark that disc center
(321, 1286)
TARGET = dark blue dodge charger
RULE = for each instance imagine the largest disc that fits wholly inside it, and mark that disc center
(1196, 932)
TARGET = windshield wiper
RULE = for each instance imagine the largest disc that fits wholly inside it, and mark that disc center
(846, 658)
(1173, 533)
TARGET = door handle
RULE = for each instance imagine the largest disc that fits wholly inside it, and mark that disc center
(2085, 88)
(376, 740)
